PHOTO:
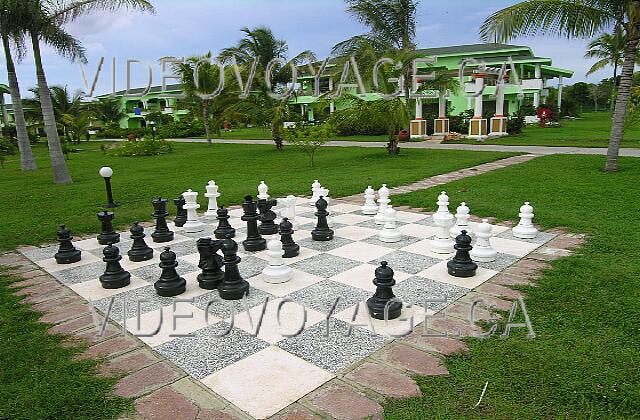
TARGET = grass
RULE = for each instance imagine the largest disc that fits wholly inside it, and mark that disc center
(261, 133)
(35, 206)
(40, 379)
(591, 130)
(585, 360)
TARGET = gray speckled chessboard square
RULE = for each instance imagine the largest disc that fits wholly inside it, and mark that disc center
(408, 261)
(145, 296)
(311, 225)
(324, 246)
(406, 241)
(123, 246)
(323, 295)
(80, 274)
(325, 265)
(251, 266)
(427, 222)
(371, 224)
(342, 347)
(222, 308)
(210, 349)
(152, 272)
(502, 261)
(181, 249)
(39, 254)
(542, 238)
(417, 290)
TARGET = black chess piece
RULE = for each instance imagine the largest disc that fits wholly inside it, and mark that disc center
(170, 283)
(461, 264)
(267, 217)
(67, 253)
(211, 263)
(181, 213)
(384, 296)
(224, 229)
(254, 241)
(160, 213)
(233, 287)
(139, 251)
(291, 249)
(322, 232)
(108, 234)
(114, 276)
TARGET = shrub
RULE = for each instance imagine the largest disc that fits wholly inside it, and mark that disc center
(308, 138)
(147, 147)
(7, 148)
(515, 123)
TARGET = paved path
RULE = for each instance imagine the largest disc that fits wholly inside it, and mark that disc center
(538, 150)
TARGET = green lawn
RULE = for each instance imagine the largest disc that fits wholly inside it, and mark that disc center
(585, 361)
(34, 207)
(591, 130)
(260, 133)
(39, 377)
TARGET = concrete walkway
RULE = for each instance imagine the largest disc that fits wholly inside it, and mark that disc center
(538, 150)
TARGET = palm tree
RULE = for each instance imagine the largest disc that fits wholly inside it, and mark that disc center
(10, 20)
(108, 110)
(608, 49)
(577, 19)
(258, 43)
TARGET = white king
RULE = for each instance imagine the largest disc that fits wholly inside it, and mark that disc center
(212, 194)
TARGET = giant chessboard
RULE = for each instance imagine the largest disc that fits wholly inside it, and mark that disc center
(215, 341)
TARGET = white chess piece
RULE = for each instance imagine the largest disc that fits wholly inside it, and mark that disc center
(288, 207)
(370, 207)
(482, 250)
(442, 243)
(324, 193)
(193, 224)
(315, 187)
(390, 232)
(212, 194)
(525, 229)
(443, 207)
(277, 271)
(262, 191)
(383, 202)
(462, 221)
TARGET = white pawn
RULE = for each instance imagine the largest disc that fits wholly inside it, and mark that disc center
(462, 221)
(525, 229)
(193, 224)
(370, 207)
(443, 207)
(390, 232)
(277, 271)
(383, 202)
(212, 194)
(315, 193)
(262, 191)
(288, 207)
(442, 243)
(482, 250)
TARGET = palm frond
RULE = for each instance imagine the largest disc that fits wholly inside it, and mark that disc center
(65, 11)
(63, 42)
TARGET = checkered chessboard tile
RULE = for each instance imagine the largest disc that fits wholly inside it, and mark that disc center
(293, 336)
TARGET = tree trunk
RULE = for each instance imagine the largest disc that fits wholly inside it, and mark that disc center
(5, 114)
(27, 163)
(620, 111)
(59, 165)
(205, 116)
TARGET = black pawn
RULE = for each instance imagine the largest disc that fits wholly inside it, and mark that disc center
(224, 229)
(210, 263)
(322, 232)
(291, 249)
(233, 287)
(67, 253)
(170, 283)
(160, 213)
(267, 217)
(254, 241)
(384, 294)
(107, 235)
(139, 251)
(114, 276)
(181, 213)
(461, 264)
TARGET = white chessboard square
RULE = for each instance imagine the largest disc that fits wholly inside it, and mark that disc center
(359, 316)
(362, 277)
(423, 247)
(301, 221)
(277, 320)
(355, 233)
(361, 251)
(92, 290)
(273, 378)
(177, 238)
(299, 280)
(88, 244)
(418, 231)
(236, 213)
(513, 246)
(345, 207)
(440, 273)
(52, 266)
(495, 229)
(178, 320)
(349, 219)
(303, 253)
(410, 217)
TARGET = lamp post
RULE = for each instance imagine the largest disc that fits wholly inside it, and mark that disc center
(106, 172)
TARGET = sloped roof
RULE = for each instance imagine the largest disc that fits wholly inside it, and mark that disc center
(471, 48)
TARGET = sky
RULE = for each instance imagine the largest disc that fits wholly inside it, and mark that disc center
(192, 27)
